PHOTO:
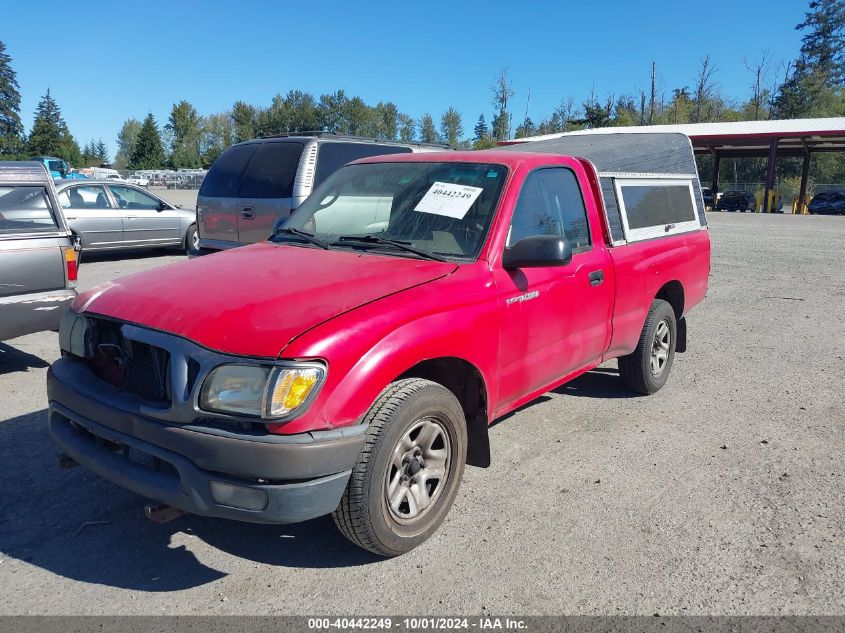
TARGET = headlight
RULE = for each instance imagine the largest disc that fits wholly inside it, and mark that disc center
(253, 390)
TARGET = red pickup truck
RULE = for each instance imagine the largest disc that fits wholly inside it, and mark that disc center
(352, 364)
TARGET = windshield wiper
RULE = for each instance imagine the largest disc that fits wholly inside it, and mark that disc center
(309, 237)
(405, 246)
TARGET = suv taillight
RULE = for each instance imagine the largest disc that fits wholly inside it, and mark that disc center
(71, 263)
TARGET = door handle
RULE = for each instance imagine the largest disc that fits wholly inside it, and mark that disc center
(596, 277)
(248, 213)
(668, 227)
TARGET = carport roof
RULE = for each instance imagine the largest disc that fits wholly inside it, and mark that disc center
(742, 138)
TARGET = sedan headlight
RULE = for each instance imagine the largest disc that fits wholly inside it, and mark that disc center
(259, 391)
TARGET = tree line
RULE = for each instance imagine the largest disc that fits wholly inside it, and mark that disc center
(813, 85)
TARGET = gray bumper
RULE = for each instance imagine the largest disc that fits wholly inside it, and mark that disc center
(25, 314)
(303, 476)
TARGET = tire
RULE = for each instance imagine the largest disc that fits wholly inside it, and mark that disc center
(390, 466)
(638, 369)
(192, 238)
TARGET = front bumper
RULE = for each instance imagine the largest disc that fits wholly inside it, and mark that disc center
(301, 476)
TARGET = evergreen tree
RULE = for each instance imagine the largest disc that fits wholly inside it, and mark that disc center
(481, 130)
(148, 152)
(126, 140)
(183, 128)
(50, 135)
(101, 151)
(47, 128)
(526, 129)
(451, 126)
(11, 129)
(428, 133)
(820, 67)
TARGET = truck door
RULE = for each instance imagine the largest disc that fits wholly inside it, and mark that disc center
(555, 319)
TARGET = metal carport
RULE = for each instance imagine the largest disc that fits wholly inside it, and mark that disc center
(749, 139)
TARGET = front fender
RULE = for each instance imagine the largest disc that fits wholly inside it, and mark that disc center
(368, 348)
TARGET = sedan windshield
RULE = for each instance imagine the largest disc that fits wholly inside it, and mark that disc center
(433, 210)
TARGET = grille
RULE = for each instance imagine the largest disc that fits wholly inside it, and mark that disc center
(138, 368)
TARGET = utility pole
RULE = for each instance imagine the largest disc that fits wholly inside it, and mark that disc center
(651, 102)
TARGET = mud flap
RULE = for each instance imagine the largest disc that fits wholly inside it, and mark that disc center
(681, 344)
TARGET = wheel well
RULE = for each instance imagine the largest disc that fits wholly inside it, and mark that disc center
(464, 380)
(673, 293)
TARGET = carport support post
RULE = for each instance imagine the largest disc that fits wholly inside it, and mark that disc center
(714, 185)
(805, 173)
(770, 173)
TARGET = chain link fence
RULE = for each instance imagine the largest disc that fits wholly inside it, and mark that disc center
(165, 179)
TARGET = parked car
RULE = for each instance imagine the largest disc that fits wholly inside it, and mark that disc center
(38, 264)
(828, 203)
(138, 180)
(352, 365)
(707, 196)
(106, 216)
(736, 201)
(253, 184)
(173, 181)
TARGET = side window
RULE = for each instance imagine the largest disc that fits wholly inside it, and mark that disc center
(84, 197)
(272, 172)
(550, 203)
(25, 210)
(131, 198)
(333, 156)
(656, 208)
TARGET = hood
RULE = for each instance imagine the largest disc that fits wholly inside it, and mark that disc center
(254, 300)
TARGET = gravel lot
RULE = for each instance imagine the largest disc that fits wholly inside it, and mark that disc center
(722, 494)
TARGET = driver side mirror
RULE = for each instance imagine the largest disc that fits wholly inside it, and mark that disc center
(163, 206)
(537, 251)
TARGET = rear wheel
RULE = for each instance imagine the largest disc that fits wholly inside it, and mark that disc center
(647, 368)
(409, 471)
(192, 238)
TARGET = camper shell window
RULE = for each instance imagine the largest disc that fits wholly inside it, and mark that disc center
(652, 207)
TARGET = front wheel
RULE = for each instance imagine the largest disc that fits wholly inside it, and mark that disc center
(409, 471)
(647, 368)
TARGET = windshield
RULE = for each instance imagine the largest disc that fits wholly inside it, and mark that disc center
(55, 165)
(440, 208)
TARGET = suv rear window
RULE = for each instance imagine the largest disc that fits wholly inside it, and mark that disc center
(271, 173)
(25, 210)
(224, 177)
(333, 156)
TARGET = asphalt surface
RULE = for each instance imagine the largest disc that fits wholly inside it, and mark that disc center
(721, 494)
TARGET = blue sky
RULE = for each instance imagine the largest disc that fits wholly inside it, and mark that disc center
(105, 62)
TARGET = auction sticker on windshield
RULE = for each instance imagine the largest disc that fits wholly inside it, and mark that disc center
(445, 198)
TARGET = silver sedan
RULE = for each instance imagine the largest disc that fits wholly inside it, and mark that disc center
(108, 215)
